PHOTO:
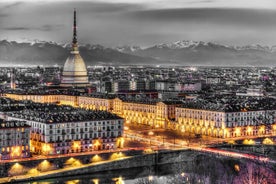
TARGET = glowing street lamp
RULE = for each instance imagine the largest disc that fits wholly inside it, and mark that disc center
(268, 141)
(16, 169)
(96, 158)
(45, 165)
(150, 178)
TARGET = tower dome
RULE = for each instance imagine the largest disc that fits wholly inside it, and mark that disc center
(74, 71)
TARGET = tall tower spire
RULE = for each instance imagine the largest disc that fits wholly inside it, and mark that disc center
(75, 28)
(74, 72)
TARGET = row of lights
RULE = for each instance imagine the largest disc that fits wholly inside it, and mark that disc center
(18, 169)
(47, 148)
(266, 141)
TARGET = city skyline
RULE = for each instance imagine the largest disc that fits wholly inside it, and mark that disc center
(120, 22)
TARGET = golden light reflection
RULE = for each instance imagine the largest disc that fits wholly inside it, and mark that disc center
(76, 145)
(118, 180)
(148, 150)
(73, 162)
(45, 165)
(73, 182)
(268, 141)
(150, 178)
(96, 158)
(16, 169)
(249, 129)
(32, 149)
(96, 181)
(97, 143)
(248, 142)
(231, 142)
(238, 131)
(46, 148)
(237, 167)
(120, 142)
(33, 171)
(70, 161)
(261, 130)
(77, 163)
(115, 156)
(16, 151)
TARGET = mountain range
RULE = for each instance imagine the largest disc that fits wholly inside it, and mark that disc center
(176, 53)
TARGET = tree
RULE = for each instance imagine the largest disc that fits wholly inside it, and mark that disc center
(255, 173)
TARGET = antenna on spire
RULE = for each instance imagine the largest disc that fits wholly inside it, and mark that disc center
(75, 28)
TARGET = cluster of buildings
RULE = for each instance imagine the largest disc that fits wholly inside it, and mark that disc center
(48, 128)
(222, 116)
(228, 116)
(72, 114)
(53, 129)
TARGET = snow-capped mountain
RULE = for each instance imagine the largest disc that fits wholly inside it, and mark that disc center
(207, 53)
(128, 49)
(188, 44)
(176, 53)
(180, 44)
(254, 47)
(50, 53)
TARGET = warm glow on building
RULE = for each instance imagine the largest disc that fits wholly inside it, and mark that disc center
(16, 169)
(96, 181)
(268, 141)
(45, 165)
(33, 171)
(46, 148)
(72, 162)
(120, 142)
(72, 182)
(16, 139)
(249, 142)
(96, 158)
(115, 156)
(76, 145)
(220, 123)
(16, 151)
(118, 180)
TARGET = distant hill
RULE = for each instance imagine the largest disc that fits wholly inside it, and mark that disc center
(177, 53)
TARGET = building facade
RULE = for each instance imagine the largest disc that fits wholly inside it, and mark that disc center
(153, 113)
(14, 140)
(200, 118)
(63, 129)
(223, 124)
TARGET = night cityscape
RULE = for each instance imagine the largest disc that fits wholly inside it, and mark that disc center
(183, 112)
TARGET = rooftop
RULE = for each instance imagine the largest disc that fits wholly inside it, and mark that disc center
(101, 95)
(231, 104)
(7, 104)
(49, 113)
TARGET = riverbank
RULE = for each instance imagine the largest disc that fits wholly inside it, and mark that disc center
(190, 161)
(105, 162)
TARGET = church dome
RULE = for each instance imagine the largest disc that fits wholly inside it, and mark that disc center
(74, 71)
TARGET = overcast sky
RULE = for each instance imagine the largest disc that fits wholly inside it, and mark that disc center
(141, 22)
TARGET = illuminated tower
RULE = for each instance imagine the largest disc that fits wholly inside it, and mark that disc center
(74, 71)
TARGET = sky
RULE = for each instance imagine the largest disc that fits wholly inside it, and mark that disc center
(114, 23)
